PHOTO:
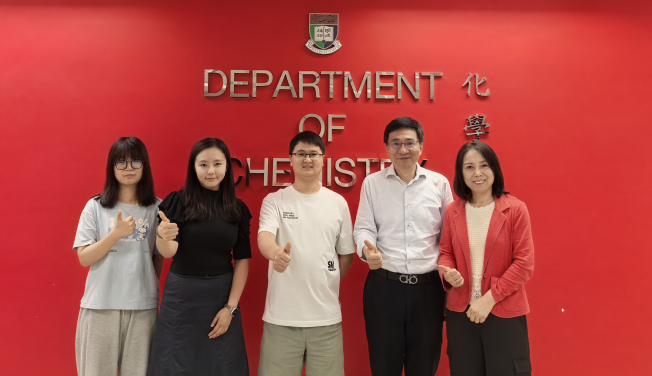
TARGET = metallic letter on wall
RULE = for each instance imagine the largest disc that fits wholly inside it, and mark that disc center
(208, 72)
(328, 174)
(331, 126)
(255, 80)
(330, 75)
(432, 76)
(346, 172)
(263, 171)
(379, 85)
(365, 81)
(321, 123)
(368, 162)
(477, 83)
(310, 84)
(403, 80)
(279, 86)
(239, 163)
(234, 82)
(276, 172)
(476, 123)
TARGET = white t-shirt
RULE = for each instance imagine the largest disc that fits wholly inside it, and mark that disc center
(318, 228)
(125, 278)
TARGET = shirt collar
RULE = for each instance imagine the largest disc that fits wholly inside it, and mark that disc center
(390, 171)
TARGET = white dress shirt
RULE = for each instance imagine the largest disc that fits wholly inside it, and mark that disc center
(403, 220)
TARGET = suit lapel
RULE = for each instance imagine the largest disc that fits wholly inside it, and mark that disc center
(462, 234)
(496, 224)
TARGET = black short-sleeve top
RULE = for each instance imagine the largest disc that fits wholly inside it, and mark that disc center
(206, 248)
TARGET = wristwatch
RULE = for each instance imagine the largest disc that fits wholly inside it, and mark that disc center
(234, 310)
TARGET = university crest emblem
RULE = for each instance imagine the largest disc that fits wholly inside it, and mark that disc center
(323, 33)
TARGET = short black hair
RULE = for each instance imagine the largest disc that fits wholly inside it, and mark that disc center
(403, 122)
(459, 186)
(307, 137)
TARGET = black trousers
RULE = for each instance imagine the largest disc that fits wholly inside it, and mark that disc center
(497, 347)
(404, 326)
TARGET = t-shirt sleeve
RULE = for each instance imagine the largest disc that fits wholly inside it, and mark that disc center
(173, 207)
(242, 247)
(269, 220)
(345, 244)
(87, 230)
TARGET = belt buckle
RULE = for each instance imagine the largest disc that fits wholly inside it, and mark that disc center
(408, 278)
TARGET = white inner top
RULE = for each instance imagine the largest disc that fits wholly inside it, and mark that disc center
(477, 224)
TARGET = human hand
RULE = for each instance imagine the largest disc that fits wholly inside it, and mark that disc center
(452, 276)
(282, 258)
(481, 308)
(220, 323)
(167, 230)
(374, 258)
(124, 227)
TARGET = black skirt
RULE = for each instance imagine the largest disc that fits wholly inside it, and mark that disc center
(181, 346)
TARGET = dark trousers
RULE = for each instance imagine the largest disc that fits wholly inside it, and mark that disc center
(404, 326)
(181, 346)
(497, 347)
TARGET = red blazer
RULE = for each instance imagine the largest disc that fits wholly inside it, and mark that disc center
(508, 256)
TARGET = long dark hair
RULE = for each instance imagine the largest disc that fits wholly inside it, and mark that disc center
(121, 149)
(459, 186)
(199, 203)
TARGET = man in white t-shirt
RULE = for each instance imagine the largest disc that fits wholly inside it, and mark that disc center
(306, 233)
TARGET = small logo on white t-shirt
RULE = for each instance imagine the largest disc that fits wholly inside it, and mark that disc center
(331, 266)
(289, 215)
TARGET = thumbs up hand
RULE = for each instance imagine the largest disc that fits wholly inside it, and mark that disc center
(374, 258)
(166, 230)
(124, 227)
(452, 276)
(282, 258)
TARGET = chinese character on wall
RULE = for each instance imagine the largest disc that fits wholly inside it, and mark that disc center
(477, 83)
(477, 124)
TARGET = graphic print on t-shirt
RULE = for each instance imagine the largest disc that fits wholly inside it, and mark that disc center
(331, 266)
(141, 231)
(290, 215)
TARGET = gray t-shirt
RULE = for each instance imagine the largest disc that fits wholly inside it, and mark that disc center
(125, 278)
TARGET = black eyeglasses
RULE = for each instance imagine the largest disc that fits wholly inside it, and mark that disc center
(309, 155)
(135, 164)
(408, 144)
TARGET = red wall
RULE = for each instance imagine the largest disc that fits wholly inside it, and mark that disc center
(570, 89)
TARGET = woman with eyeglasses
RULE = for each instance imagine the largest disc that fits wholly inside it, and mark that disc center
(116, 238)
(486, 257)
(203, 228)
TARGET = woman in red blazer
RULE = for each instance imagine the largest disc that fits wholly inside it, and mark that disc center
(486, 257)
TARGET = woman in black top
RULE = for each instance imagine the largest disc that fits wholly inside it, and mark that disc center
(199, 331)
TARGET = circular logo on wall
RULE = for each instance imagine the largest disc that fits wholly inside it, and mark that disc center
(323, 29)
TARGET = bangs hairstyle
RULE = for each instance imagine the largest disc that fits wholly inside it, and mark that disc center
(400, 123)
(459, 186)
(122, 149)
(199, 203)
(307, 137)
